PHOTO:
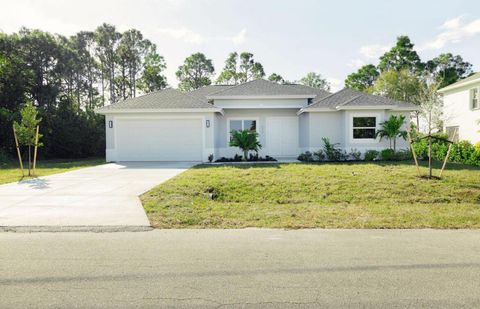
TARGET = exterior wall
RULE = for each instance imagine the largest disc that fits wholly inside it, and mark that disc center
(304, 131)
(338, 127)
(458, 112)
(261, 115)
(260, 103)
(207, 134)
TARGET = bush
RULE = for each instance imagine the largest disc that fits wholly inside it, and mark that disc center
(332, 152)
(387, 154)
(319, 155)
(371, 155)
(465, 152)
(306, 157)
(355, 155)
(252, 158)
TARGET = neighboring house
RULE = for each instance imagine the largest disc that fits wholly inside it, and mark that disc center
(170, 125)
(461, 108)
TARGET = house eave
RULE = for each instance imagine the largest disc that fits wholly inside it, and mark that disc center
(460, 85)
(153, 110)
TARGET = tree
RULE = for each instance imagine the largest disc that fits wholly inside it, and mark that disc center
(401, 56)
(246, 140)
(107, 38)
(153, 78)
(392, 129)
(26, 130)
(195, 72)
(229, 74)
(363, 79)
(430, 103)
(249, 68)
(399, 85)
(448, 69)
(274, 77)
(315, 80)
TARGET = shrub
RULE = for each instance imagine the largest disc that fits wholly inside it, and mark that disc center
(387, 154)
(332, 151)
(210, 158)
(403, 155)
(319, 155)
(477, 145)
(355, 155)
(305, 157)
(246, 140)
(371, 155)
(439, 147)
(464, 152)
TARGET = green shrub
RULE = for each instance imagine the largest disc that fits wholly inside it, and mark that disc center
(371, 155)
(319, 155)
(464, 152)
(403, 155)
(305, 157)
(387, 154)
(439, 147)
(355, 154)
(332, 151)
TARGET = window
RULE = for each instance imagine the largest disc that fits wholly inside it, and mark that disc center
(240, 125)
(364, 127)
(475, 99)
(452, 133)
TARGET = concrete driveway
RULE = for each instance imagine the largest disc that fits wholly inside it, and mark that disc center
(105, 195)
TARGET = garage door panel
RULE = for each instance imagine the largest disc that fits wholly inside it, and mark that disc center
(159, 139)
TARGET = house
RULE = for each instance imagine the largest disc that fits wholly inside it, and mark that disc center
(170, 125)
(461, 109)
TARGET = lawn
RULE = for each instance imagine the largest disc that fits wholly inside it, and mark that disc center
(10, 172)
(298, 195)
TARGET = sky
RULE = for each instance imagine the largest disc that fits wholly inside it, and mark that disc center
(290, 38)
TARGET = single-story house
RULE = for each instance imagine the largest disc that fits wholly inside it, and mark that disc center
(171, 125)
(461, 109)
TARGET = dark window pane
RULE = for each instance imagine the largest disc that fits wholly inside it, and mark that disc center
(364, 122)
(363, 133)
(235, 125)
(250, 125)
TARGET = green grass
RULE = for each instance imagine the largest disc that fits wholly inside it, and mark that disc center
(10, 172)
(337, 195)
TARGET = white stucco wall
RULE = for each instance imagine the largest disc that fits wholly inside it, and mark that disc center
(261, 115)
(338, 127)
(458, 112)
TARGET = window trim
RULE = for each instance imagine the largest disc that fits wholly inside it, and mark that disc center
(477, 90)
(256, 119)
(378, 119)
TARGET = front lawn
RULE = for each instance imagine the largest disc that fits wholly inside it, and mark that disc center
(10, 172)
(326, 195)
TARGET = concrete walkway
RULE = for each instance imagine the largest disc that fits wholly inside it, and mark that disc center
(105, 195)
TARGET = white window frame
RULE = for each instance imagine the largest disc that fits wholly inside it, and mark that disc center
(477, 90)
(256, 119)
(378, 119)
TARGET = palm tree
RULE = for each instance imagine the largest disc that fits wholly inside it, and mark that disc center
(391, 129)
(246, 140)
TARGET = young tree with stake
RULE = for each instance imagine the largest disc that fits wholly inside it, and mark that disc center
(27, 133)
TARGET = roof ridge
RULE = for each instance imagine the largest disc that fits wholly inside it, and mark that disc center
(235, 86)
(193, 97)
(349, 100)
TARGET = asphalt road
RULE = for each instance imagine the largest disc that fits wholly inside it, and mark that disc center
(241, 268)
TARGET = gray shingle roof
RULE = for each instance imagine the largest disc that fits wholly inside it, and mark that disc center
(202, 93)
(352, 97)
(163, 99)
(261, 87)
(320, 93)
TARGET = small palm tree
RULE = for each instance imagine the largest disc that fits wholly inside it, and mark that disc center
(246, 140)
(391, 129)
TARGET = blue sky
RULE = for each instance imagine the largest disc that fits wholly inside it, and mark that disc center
(290, 38)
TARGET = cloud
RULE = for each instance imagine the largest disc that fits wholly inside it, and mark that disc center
(454, 30)
(183, 34)
(240, 38)
(335, 84)
(373, 51)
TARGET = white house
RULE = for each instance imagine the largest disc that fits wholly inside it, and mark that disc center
(461, 103)
(170, 125)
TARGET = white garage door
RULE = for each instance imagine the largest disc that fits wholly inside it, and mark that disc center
(159, 139)
(282, 136)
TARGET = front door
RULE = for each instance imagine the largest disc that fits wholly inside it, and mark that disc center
(282, 136)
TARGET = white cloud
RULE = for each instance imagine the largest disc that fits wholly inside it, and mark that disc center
(183, 34)
(335, 84)
(356, 63)
(373, 51)
(454, 30)
(240, 38)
